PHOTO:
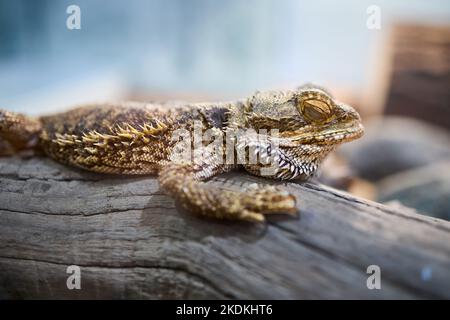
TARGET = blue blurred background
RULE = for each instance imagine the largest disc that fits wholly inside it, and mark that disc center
(195, 48)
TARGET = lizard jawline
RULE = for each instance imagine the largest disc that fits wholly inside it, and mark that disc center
(326, 136)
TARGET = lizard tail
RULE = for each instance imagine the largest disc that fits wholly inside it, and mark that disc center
(18, 132)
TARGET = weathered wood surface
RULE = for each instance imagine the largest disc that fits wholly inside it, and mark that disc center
(131, 242)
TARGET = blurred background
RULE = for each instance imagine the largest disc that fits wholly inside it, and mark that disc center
(395, 70)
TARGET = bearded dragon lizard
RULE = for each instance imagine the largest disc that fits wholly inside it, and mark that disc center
(138, 139)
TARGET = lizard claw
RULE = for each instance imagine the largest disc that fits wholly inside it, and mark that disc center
(251, 216)
(261, 200)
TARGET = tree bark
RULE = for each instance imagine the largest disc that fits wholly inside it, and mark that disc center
(130, 241)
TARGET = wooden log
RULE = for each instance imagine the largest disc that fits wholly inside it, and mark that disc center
(130, 241)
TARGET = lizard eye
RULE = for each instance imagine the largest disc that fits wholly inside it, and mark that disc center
(316, 111)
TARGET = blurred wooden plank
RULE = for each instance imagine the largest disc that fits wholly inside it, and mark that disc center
(420, 74)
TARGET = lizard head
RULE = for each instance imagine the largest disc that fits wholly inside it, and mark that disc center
(310, 124)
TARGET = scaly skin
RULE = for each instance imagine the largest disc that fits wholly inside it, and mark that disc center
(137, 138)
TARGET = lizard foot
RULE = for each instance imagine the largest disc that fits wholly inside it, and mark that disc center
(258, 201)
(199, 198)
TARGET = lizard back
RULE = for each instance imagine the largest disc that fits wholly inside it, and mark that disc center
(128, 138)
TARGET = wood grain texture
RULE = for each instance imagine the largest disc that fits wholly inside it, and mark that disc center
(131, 242)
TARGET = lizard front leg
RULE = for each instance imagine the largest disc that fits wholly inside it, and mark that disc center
(184, 183)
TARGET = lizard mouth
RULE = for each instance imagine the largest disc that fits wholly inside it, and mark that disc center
(323, 135)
